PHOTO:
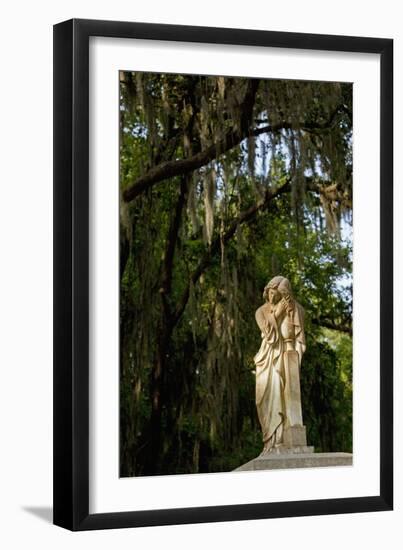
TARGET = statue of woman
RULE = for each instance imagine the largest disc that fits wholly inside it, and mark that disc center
(281, 322)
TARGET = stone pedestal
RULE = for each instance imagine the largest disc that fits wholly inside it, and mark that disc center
(285, 460)
(294, 436)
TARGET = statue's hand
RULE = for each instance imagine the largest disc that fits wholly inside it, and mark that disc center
(281, 308)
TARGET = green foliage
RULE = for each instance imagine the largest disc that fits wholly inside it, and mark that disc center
(327, 394)
(197, 249)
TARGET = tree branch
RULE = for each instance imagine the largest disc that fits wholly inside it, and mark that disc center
(244, 217)
(309, 126)
(172, 238)
(174, 168)
(341, 327)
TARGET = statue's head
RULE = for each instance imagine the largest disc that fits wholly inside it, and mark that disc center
(276, 289)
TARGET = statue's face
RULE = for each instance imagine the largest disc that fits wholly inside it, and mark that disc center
(273, 296)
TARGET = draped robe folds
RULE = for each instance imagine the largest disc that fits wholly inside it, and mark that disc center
(269, 363)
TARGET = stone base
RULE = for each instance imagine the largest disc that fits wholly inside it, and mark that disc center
(282, 449)
(284, 460)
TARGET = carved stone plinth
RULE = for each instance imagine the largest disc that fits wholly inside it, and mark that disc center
(292, 390)
(294, 434)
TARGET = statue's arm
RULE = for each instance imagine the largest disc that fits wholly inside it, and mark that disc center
(260, 320)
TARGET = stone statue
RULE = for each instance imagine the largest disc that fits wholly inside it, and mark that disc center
(278, 361)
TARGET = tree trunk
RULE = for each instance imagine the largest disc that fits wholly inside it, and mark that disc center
(155, 452)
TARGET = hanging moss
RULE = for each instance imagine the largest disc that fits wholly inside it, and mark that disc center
(193, 206)
(209, 195)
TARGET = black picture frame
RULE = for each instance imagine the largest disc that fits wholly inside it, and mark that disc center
(71, 274)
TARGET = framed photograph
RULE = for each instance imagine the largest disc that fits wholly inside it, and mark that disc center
(223, 288)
